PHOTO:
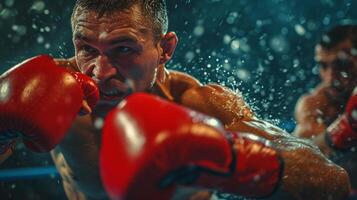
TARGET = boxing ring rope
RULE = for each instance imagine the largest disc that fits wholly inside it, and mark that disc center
(30, 173)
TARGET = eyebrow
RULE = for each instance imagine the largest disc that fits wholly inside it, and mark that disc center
(79, 36)
(122, 39)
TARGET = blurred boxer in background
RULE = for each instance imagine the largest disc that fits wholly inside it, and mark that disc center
(327, 114)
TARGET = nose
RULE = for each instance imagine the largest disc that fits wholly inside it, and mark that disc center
(103, 69)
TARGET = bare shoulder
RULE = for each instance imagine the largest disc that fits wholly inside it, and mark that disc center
(309, 110)
(315, 98)
(306, 102)
(310, 105)
(183, 78)
(179, 83)
(217, 101)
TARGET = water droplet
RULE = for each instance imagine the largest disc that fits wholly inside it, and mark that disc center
(199, 30)
(38, 6)
(98, 123)
(300, 30)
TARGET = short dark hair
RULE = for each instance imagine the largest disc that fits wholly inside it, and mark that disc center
(338, 34)
(155, 9)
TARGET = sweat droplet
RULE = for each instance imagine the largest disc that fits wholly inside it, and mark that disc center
(98, 123)
(354, 114)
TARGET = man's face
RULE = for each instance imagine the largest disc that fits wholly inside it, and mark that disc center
(118, 51)
(338, 68)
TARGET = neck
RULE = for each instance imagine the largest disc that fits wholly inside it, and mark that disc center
(162, 74)
(162, 84)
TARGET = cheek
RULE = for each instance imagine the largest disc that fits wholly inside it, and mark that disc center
(144, 67)
(151, 67)
(144, 74)
(83, 64)
(326, 75)
(80, 63)
(142, 71)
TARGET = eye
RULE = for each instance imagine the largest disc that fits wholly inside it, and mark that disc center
(123, 49)
(88, 49)
(323, 65)
(343, 63)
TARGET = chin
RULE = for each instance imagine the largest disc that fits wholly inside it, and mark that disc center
(102, 111)
(104, 106)
(111, 102)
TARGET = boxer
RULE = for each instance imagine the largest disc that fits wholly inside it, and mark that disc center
(327, 114)
(124, 46)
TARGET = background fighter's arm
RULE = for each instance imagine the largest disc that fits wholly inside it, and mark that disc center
(341, 135)
(308, 123)
(302, 159)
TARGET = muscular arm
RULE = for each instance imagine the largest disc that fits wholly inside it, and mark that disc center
(307, 174)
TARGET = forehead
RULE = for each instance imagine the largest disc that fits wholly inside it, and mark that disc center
(132, 18)
(322, 54)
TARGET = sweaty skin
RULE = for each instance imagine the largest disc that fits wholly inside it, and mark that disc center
(316, 110)
(119, 47)
(118, 50)
(302, 159)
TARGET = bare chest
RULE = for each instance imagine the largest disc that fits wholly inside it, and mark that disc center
(77, 160)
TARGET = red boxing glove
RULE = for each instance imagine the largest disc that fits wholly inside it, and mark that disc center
(89, 89)
(39, 100)
(150, 145)
(342, 133)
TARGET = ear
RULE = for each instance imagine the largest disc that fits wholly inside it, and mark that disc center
(168, 45)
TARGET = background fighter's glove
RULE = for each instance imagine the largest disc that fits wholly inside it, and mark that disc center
(342, 133)
(150, 145)
(39, 100)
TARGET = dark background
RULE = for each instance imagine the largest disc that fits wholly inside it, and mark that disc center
(263, 48)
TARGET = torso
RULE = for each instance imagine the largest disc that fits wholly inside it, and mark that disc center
(76, 159)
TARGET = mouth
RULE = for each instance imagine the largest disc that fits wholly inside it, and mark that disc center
(112, 91)
(112, 95)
